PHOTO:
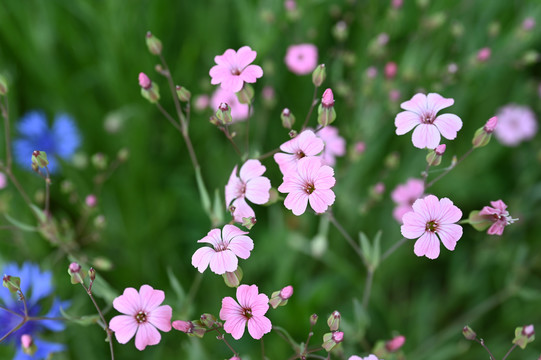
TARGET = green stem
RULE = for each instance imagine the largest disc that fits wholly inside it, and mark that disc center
(368, 287)
(482, 342)
(348, 238)
(450, 168)
(393, 248)
(312, 105)
(509, 352)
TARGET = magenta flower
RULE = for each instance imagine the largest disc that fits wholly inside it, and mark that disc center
(404, 195)
(239, 112)
(226, 246)
(304, 144)
(250, 185)
(301, 59)
(499, 215)
(432, 219)
(143, 315)
(312, 182)
(515, 124)
(369, 357)
(335, 145)
(233, 69)
(251, 311)
(420, 114)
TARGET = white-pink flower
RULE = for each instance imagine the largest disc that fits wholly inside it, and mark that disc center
(250, 310)
(335, 145)
(498, 214)
(233, 69)
(227, 244)
(302, 145)
(515, 124)
(311, 183)
(369, 357)
(239, 111)
(301, 59)
(404, 195)
(250, 185)
(420, 114)
(430, 221)
(143, 316)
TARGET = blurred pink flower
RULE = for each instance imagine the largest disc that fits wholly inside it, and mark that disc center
(397, 4)
(394, 95)
(360, 147)
(233, 69)
(432, 219)
(201, 102)
(144, 81)
(312, 182)
(395, 343)
(239, 111)
(390, 70)
(301, 59)
(371, 72)
(250, 185)
(227, 244)
(499, 215)
(335, 145)
(3, 180)
(484, 54)
(304, 144)
(420, 114)
(143, 314)
(404, 195)
(515, 124)
(369, 357)
(528, 23)
(251, 311)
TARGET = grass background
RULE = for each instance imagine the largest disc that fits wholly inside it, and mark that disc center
(84, 57)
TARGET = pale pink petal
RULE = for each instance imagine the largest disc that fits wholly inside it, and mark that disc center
(308, 167)
(310, 144)
(242, 209)
(260, 305)
(325, 178)
(448, 125)
(124, 327)
(229, 58)
(405, 121)
(320, 200)
(400, 211)
(246, 295)
(129, 302)
(230, 308)
(161, 317)
(251, 169)
(213, 237)
(426, 136)
(496, 228)
(286, 162)
(449, 234)
(251, 73)
(223, 261)
(417, 104)
(245, 56)
(436, 102)
(241, 246)
(146, 335)
(498, 204)
(258, 190)
(414, 225)
(427, 245)
(232, 83)
(219, 73)
(201, 258)
(235, 326)
(230, 231)
(150, 298)
(296, 202)
(292, 182)
(233, 187)
(259, 326)
(449, 213)
(432, 207)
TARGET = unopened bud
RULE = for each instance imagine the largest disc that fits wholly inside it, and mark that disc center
(319, 75)
(91, 200)
(184, 326)
(313, 319)
(330, 340)
(183, 93)
(524, 335)
(92, 274)
(99, 161)
(154, 44)
(123, 154)
(144, 81)
(326, 112)
(334, 321)
(3, 85)
(483, 135)
(246, 94)
(13, 283)
(39, 159)
(75, 273)
(327, 100)
(433, 158)
(392, 160)
(28, 345)
(395, 343)
(208, 320)
(152, 94)
(528, 330)
(198, 329)
(288, 119)
(223, 114)
(468, 333)
(279, 298)
(340, 31)
(483, 54)
(390, 70)
(233, 279)
(292, 133)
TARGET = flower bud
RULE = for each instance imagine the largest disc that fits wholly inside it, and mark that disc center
(208, 320)
(39, 159)
(483, 135)
(249, 222)
(92, 274)
(223, 114)
(233, 279)
(144, 81)
(395, 343)
(392, 160)
(246, 94)
(390, 70)
(319, 75)
(340, 31)
(279, 298)
(327, 100)
(91, 200)
(183, 94)
(528, 24)
(326, 112)
(3, 85)
(13, 283)
(76, 273)
(28, 345)
(334, 321)
(483, 54)
(524, 335)
(152, 94)
(292, 133)
(433, 158)
(288, 119)
(123, 154)
(184, 326)
(468, 333)
(154, 44)
(330, 340)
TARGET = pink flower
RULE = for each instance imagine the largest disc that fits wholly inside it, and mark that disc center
(239, 111)
(432, 219)
(371, 72)
(420, 114)
(144, 81)
(335, 145)
(528, 23)
(483, 54)
(301, 59)
(91, 200)
(395, 343)
(515, 124)
(390, 70)
(499, 215)
(312, 182)
(250, 185)
(201, 102)
(404, 195)
(251, 311)
(3, 180)
(304, 144)
(226, 246)
(233, 69)
(143, 314)
(369, 357)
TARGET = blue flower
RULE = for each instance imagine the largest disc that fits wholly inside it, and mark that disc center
(35, 286)
(62, 140)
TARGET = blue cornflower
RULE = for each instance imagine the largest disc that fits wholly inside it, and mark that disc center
(35, 286)
(62, 140)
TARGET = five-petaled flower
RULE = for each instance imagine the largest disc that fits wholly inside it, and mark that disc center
(498, 214)
(227, 244)
(420, 114)
(301, 59)
(432, 219)
(233, 69)
(143, 316)
(404, 195)
(302, 145)
(250, 309)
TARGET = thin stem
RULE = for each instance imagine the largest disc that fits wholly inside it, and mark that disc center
(482, 342)
(348, 238)
(425, 174)
(222, 337)
(368, 287)
(312, 105)
(509, 352)
(169, 117)
(47, 192)
(5, 114)
(225, 129)
(266, 155)
(11, 311)
(262, 349)
(194, 288)
(23, 299)
(23, 321)
(248, 129)
(450, 168)
(173, 92)
(393, 248)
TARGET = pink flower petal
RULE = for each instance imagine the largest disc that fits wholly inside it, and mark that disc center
(232, 83)
(230, 308)
(150, 298)
(400, 211)
(320, 200)
(161, 317)
(448, 125)
(426, 136)
(124, 327)
(405, 121)
(146, 335)
(259, 326)
(251, 169)
(449, 213)
(246, 295)
(310, 144)
(325, 178)
(427, 245)
(213, 237)
(296, 202)
(251, 73)
(449, 234)
(231, 231)
(436, 102)
(260, 305)
(233, 187)
(242, 209)
(245, 56)
(416, 104)
(258, 190)
(235, 326)
(201, 258)
(223, 261)
(241, 246)
(218, 74)
(308, 167)
(286, 162)
(414, 225)
(129, 302)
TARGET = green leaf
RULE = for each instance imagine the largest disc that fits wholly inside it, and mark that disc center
(365, 246)
(85, 320)
(218, 210)
(205, 199)
(376, 249)
(20, 225)
(176, 286)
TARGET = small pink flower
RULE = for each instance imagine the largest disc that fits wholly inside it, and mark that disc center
(239, 112)
(371, 72)
(515, 124)
(144, 81)
(360, 147)
(420, 114)
(394, 95)
(528, 23)
(397, 4)
(251, 311)
(312, 182)
(390, 70)
(301, 59)
(404, 195)
(250, 185)
(268, 93)
(304, 144)
(369, 357)
(226, 246)
(335, 145)
(91, 200)
(143, 314)
(483, 54)
(233, 69)
(499, 215)
(395, 343)
(432, 219)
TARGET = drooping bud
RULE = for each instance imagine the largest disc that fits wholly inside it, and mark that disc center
(279, 298)
(28, 345)
(313, 319)
(468, 333)
(39, 159)
(334, 320)
(154, 44)
(13, 283)
(319, 75)
(208, 320)
(223, 114)
(249, 222)
(483, 135)
(524, 335)
(144, 81)
(246, 94)
(326, 112)
(288, 119)
(433, 158)
(184, 326)
(395, 343)
(233, 279)
(183, 94)
(75, 272)
(330, 340)
(3, 85)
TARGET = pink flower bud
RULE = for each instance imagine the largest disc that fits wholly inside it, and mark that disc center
(334, 321)
(202, 102)
(440, 149)
(144, 81)
(26, 340)
(395, 343)
(397, 4)
(390, 70)
(91, 200)
(268, 93)
(360, 147)
(313, 319)
(379, 188)
(74, 268)
(286, 292)
(338, 336)
(327, 99)
(528, 23)
(491, 124)
(483, 54)
(394, 95)
(528, 331)
(184, 326)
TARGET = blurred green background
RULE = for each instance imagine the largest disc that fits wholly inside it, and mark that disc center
(83, 58)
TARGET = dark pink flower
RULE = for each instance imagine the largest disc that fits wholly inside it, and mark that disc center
(233, 69)
(498, 214)
(395, 343)
(304, 144)
(144, 81)
(301, 59)
(430, 221)
(143, 316)
(250, 309)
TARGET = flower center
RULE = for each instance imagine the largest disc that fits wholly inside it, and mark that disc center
(247, 313)
(428, 118)
(236, 71)
(431, 226)
(300, 154)
(309, 188)
(141, 317)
